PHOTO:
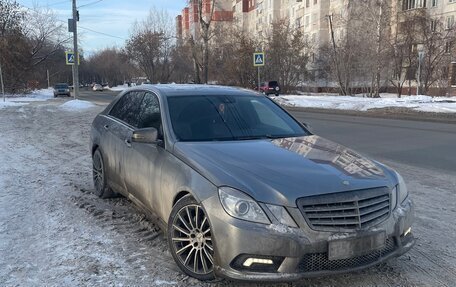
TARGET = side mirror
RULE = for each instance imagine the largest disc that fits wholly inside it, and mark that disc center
(146, 135)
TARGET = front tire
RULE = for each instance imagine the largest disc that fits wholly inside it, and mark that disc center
(99, 176)
(190, 239)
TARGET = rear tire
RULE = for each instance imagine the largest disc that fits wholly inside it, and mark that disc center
(190, 239)
(99, 176)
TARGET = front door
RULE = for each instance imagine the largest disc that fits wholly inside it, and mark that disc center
(143, 161)
(123, 120)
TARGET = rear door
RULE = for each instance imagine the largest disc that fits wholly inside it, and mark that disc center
(123, 120)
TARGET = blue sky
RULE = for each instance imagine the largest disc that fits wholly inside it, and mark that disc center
(112, 17)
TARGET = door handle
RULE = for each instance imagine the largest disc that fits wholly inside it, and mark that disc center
(106, 127)
(128, 142)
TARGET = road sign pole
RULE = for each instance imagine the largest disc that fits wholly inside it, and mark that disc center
(258, 61)
(1, 82)
(76, 53)
(259, 82)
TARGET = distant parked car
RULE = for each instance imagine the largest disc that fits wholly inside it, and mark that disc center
(242, 190)
(61, 89)
(270, 87)
(97, 87)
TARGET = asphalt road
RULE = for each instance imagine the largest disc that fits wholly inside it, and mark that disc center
(99, 97)
(423, 144)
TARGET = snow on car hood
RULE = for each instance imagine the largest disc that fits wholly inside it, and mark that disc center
(280, 171)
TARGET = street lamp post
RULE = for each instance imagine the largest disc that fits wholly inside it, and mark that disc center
(420, 49)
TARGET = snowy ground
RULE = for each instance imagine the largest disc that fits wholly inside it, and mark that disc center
(358, 103)
(55, 232)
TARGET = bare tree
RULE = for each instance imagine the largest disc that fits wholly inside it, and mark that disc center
(403, 60)
(110, 66)
(11, 35)
(44, 33)
(438, 41)
(205, 14)
(231, 58)
(151, 44)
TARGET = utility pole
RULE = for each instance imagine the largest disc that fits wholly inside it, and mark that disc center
(1, 82)
(47, 74)
(75, 51)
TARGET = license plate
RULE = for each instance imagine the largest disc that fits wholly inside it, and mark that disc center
(356, 246)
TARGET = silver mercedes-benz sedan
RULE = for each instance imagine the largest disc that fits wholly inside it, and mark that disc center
(244, 191)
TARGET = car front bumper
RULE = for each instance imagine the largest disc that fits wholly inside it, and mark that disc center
(298, 252)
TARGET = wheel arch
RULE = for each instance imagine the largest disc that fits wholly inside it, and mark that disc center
(94, 148)
(180, 195)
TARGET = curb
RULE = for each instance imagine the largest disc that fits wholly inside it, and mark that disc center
(385, 113)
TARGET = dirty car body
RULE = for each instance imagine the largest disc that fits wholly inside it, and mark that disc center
(244, 191)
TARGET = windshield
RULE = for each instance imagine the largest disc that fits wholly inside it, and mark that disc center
(61, 86)
(241, 117)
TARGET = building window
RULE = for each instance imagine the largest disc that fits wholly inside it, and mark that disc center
(307, 3)
(434, 3)
(315, 2)
(450, 22)
(448, 46)
(453, 74)
(412, 4)
(433, 25)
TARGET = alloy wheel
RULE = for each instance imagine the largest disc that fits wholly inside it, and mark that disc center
(192, 240)
(98, 172)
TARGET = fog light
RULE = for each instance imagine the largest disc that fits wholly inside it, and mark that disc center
(249, 261)
(409, 230)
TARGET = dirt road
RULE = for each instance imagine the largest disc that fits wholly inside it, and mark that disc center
(55, 232)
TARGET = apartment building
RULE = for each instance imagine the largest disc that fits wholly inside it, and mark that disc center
(187, 24)
(256, 16)
(310, 16)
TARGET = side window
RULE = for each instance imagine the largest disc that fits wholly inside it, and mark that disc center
(149, 115)
(127, 108)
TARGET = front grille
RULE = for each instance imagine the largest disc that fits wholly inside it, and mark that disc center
(346, 210)
(319, 261)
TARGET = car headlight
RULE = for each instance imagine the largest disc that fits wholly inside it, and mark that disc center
(401, 188)
(241, 206)
(282, 215)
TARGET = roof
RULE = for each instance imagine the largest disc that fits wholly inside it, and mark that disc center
(170, 90)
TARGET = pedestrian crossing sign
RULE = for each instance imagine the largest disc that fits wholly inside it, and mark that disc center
(258, 59)
(69, 57)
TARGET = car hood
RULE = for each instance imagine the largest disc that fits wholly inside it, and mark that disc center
(280, 171)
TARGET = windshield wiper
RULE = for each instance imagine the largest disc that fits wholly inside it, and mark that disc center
(259, 137)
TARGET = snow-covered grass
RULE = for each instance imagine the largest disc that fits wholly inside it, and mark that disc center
(76, 105)
(10, 104)
(359, 103)
(24, 99)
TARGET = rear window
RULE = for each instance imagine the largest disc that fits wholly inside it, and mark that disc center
(273, 83)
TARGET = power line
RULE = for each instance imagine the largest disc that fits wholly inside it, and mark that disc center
(89, 4)
(57, 3)
(101, 33)
(84, 28)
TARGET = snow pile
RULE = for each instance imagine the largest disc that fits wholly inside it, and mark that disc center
(76, 105)
(357, 103)
(119, 88)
